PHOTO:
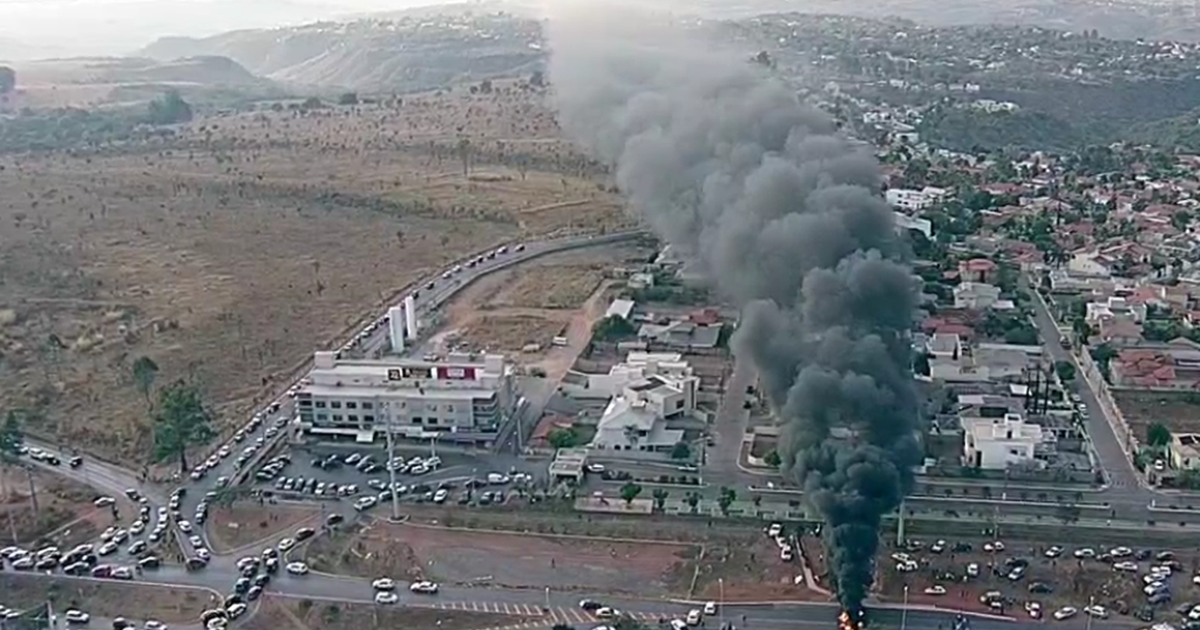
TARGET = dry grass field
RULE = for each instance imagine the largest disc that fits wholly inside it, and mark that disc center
(231, 251)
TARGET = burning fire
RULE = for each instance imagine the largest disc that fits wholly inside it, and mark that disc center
(846, 621)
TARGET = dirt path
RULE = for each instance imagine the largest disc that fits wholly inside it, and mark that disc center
(559, 360)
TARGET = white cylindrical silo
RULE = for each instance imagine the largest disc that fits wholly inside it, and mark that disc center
(396, 328)
(410, 316)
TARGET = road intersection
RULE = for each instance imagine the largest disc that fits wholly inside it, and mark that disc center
(543, 608)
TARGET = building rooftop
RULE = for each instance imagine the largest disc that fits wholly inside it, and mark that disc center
(371, 391)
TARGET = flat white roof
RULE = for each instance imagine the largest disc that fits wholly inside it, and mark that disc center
(385, 391)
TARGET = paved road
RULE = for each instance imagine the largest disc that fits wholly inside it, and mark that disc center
(1126, 492)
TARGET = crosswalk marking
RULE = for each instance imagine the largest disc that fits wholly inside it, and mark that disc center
(536, 616)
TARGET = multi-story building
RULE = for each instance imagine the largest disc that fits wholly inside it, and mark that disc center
(463, 398)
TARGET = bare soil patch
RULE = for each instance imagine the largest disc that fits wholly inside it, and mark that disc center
(751, 570)
(233, 250)
(65, 514)
(104, 599)
(1178, 412)
(246, 522)
(520, 561)
(278, 613)
(565, 286)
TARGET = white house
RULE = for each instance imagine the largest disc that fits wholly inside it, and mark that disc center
(636, 418)
(912, 200)
(945, 346)
(638, 366)
(997, 443)
(1088, 264)
(976, 295)
(1115, 307)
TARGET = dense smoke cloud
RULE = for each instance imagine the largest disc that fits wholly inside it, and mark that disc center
(783, 215)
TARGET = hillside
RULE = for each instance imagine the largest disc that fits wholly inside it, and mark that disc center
(410, 53)
(210, 71)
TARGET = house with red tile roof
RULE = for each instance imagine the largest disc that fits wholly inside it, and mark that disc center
(978, 270)
(1174, 365)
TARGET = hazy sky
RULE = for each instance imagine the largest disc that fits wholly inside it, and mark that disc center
(55, 27)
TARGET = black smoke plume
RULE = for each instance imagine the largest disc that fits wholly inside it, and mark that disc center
(725, 163)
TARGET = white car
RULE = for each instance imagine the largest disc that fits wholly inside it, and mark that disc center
(424, 586)
(1125, 565)
(1086, 552)
(76, 616)
(384, 584)
(386, 597)
(107, 548)
(236, 610)
(286, 544)
(710, 608)
(154, 625)
(104, 502)
(364, 503)
(185, 527)
(1034, 609)
(1097, 611)
(1064, 613)
(196, 541)
(297, 568)
(936, 589)
(774, 530)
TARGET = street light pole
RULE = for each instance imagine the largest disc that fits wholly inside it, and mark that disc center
(1091, 602)
(547, 598)
(904, 610)
(391, 453)
(721, 602)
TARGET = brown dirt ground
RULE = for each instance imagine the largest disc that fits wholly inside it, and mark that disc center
(105, 599)
(1175, 411)
(462, 557)
(278, 613)
(534, 303)
(66, 514)
(751, 570)
(231, 252)
(246, 523)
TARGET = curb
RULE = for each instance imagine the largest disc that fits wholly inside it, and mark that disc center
(476, 530)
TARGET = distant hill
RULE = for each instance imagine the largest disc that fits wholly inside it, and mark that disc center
(207, 70)
(411, 52)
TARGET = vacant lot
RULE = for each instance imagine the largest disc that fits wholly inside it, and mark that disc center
(106, 599)
(461, 557)
(533, 303)
(278, 613)
(64, 516)
(1179, 412)
(230, 251)
(247, 522)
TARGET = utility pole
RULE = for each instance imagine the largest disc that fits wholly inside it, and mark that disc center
(721, 602)
(391, 453)
(904, 611)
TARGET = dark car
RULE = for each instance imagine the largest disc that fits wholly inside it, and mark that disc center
(150, 562)
(75, 462)
(304, 533)
(253, 593)
(590, 605)
(195, 564)
(231, 599)
(241, 586)
(121, 624)
(334, 519)
(262, 579)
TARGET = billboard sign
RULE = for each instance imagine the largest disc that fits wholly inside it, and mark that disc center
(456, 373)
(417, 372)
(393, 374)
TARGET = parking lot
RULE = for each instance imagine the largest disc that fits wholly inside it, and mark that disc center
(364, 477)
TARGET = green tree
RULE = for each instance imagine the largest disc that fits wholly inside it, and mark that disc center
(1065, 371)
(181, 420)
(145, 370)
(693, 501)
(660, 498)
(1158, 435)
(349, 98)
(8, 79)
(630, 491)
(563, 438)
(773, 460)
(725, 499)
(681, 450)
(613, 328)
(169, 109)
